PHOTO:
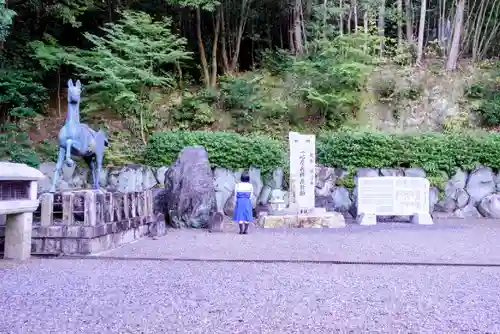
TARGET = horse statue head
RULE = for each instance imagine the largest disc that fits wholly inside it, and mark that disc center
(74, 91)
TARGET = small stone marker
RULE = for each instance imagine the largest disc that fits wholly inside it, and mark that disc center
(215, 222)
(393, 196)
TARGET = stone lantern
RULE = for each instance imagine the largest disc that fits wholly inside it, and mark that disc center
(18, 201)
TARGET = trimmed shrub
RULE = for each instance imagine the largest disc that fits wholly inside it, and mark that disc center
(433, 152)
(436, 153)
(225, 149)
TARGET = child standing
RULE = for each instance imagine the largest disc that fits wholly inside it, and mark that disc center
(243, 208)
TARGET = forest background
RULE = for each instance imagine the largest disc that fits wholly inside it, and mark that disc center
(254, 67)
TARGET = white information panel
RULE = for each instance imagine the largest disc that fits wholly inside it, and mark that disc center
(393, 196)
(302, 172)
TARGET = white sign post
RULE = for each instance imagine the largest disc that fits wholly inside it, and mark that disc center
(302, 172)
(393, 196)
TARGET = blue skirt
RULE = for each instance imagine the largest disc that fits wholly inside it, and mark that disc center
(243, 208)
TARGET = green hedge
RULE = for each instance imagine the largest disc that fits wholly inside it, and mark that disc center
(225, 149)
(434, 152)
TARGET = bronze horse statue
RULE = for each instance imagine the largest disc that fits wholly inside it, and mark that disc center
(79, 140)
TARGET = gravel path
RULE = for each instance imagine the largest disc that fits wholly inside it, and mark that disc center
(448, 241)
(139, 296)
(100, 296)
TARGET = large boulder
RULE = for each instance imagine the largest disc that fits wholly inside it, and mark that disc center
(469, 211)
(159, 204)
(481, 183)
(189, 189)
(489, 206)
(455, 196)
(224, 182)
(341, 199)
(325, 181)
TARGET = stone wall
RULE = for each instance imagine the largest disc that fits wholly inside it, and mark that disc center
(465, 194)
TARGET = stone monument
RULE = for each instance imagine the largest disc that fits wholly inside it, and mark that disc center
(79, 140)
(301, 211)
(302, 172)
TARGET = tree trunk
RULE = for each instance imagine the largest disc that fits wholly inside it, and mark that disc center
(400, 20)
(225, 59)
(282, 44)
(59, 90)
(203, 56)
(341, 18)
(441, 23)
(181, 78)
(308, 11)
(239, 37)
(409, 22)
(349, 18)
(381, 26)
(451, 64)
(299, 45)
(421, 30)
(325, 17)
(213, 81)
(355, 9)
(365, 28)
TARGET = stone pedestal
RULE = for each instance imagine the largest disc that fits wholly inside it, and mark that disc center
(313, 220)
(89, 221)
(422, 219)
(18, 228)
(366, 219)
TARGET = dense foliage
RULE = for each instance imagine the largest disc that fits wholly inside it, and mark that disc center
(16, 146)
(245, 66)
(225, 149)
(486, 92)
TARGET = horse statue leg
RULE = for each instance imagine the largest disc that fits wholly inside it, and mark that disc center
(100, 144)
(95, 175)
(69, 161)
(90, 160)
(60, 160)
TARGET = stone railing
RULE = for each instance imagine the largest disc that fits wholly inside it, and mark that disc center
(88, 222)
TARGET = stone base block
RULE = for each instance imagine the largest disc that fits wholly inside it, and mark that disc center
(320, 220)
(422, 219)
(366, 219)
(55, 240)
(371, 219)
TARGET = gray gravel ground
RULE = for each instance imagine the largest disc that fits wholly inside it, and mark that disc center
(140, 296)
(451, 241)
(100, 296)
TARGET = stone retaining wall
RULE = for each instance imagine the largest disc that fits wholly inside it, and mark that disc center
(464, 194)
(88, 222)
